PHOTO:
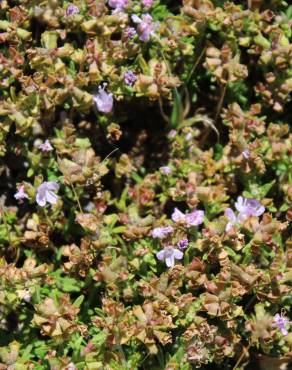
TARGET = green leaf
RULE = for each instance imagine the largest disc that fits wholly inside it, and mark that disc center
(176, 114)
(78, 301)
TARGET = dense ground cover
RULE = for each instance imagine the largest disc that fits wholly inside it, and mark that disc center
(146, 184)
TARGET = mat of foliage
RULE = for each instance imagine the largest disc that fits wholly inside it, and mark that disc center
(146, 184)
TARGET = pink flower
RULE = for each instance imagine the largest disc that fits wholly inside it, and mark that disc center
(162, 232)
(145, 27)
(248, 207)
(46, 193)
(231, 217)
(189, 136)
(177, 216)
(46, 146)
(172, 134)
(21, 194)
(166, 170)
(195, 218)
(147, 3)
(71, 366)
(103, 100)
(118, 4)
(169, 255)
(281, 323)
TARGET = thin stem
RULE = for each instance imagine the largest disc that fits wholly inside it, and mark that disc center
(120, 348)
(112, 152)
(219, 106)
(164, 116)
(196, 64)
(73, 189)
(5, 223)
(241, 356)
(76, 196)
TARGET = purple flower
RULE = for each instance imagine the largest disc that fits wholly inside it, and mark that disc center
(45, 193)
(72, 9)
(146, 27)
(130, 78)
(178, 216)
(280, 322)
(166, 170)
(46, 146)
(231, 217)
(104, 101)
(248, 207)
(183, 243)
(21, 194)
(169, 255)
(147, 3)
(162, 232)
(130, 32)
(246, 153)
(118, 4)
(195, 218)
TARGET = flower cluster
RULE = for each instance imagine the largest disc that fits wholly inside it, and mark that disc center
(246, 207)
(146, 194)
(193, 218)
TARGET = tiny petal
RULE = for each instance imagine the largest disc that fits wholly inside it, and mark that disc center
(240, 205)
(260, 210)
(248, 207)
(51, 197)
(169, 254)
(147, 3)
(170, 261)
(46, 146)
(229, 226)
(230, 215)
(71, 366)
(130, 32)
(118, 4)
(45, 193)
(183, 243)
(72, 9)
(189, 136)
(178, 254)
(130, 78)
(177, 216)
(21, 194)
(246, 153)
(41, 201)
(195, 218)
(284, 331)
(162, 232)
(145, 27)
(53, 186)
(166, 170)
(280, 322)
(136, 19)
(103, 100)
(172, 134)
(160, 255)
